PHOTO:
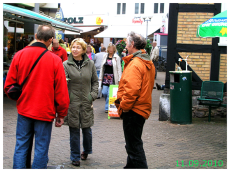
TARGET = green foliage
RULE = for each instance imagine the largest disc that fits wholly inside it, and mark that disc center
(120, 45)
(148, 47)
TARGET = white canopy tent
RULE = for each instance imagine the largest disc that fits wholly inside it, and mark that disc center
(84, 29)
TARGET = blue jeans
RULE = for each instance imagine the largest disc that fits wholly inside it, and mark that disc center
(75, 152)
(105, 92)
(98, 73)
(26, 127)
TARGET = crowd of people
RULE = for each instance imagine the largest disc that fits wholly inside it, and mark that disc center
(63, 89)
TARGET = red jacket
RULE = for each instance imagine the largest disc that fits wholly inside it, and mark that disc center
(61, 52)
(45, 92)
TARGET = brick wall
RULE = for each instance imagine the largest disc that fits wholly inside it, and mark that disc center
(186, 34)
(187, 27)
(200, 63)
(223, 68)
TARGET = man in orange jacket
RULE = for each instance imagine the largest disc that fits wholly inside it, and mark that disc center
(134, 100)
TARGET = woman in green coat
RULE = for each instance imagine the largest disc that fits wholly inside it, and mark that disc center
(81, 76)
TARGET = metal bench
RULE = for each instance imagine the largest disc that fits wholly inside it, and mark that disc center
(211, 95)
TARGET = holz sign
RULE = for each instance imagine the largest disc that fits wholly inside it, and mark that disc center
(71, 20)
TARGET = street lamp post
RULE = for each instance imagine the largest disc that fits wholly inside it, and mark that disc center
(147, 19)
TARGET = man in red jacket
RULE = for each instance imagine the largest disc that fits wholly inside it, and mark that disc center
(58, 50)
(44, 95)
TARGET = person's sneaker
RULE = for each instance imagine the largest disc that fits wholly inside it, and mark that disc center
(76, 163)
(106, 111)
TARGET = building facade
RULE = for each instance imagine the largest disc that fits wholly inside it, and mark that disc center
(118, 19)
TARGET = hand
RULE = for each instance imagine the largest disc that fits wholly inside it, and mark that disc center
(59, 122)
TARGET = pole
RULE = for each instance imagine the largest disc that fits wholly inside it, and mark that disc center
(147, 30)
(15, 34)
(36, 9)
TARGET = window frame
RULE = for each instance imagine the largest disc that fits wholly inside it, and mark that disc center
(137, 8)
(154, 8)
(119, 8)
(143, 8)
(123, 8)
(163, 8)
(159, 6)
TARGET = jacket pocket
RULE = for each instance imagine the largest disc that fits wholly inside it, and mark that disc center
(90, 98)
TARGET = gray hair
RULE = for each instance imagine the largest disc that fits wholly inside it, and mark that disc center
(139, 40)
(45, 32)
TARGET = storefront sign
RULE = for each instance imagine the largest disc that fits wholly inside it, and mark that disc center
(92, 41)
(137, 20)
(162, 30)
(99, 20)
(71, 20)
(59, 15)
(59, 35)
(88, 20)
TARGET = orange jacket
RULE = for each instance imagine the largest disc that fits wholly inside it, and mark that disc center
(136, 84)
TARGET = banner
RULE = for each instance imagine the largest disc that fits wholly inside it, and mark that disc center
(59, 34)
(112, 112)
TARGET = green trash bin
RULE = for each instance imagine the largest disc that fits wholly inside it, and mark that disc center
(181, 97)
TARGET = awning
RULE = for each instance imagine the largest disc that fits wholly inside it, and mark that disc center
(84, 29)
(11, 29)
(71, 33)
(31, 16)
(122, 31)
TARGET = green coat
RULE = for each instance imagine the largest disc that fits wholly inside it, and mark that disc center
(83, 90)
(63, 46)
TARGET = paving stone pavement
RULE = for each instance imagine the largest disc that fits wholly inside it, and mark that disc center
(164, 143)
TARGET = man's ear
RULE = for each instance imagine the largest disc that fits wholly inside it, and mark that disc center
(35, 36)
(132, 43)
(51, 40)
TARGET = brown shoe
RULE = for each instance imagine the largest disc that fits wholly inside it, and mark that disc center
(76, 163)
(84, 156)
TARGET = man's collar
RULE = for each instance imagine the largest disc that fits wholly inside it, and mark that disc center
(39, 44)
(59, 47)
(137, 52)
(129, 57)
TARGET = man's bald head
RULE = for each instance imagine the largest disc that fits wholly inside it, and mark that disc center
(45, 32)
(55, 44)
(55, 41)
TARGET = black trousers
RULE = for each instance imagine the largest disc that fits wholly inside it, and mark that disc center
(133, 126)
